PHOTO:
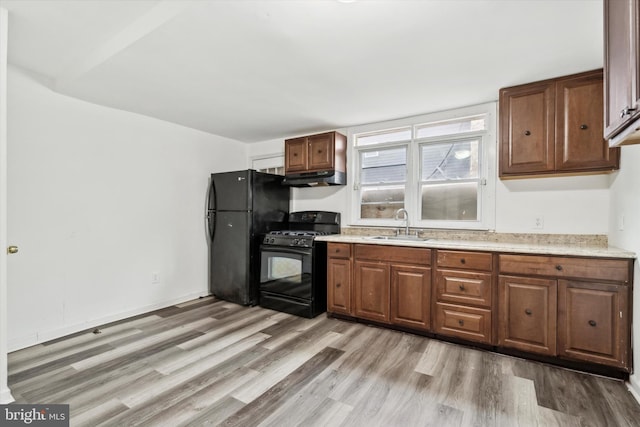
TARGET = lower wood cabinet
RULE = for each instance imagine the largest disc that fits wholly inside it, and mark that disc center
(411, 296)
(573, 308)
(372, 290)
(593, 322)
(339, 273)
(527, 314)
(578, 309)
(339, 285)
(393, 285)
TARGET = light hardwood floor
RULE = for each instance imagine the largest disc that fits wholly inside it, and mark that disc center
(209, 362)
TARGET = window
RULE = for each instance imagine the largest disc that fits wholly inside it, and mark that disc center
(271, 164)
(436, 166)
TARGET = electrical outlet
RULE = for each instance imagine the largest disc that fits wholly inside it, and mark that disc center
(155, 278)
(538, 222)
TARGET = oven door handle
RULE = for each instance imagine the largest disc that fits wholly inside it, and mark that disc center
(286, 249)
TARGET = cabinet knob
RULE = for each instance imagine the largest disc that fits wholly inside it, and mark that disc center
(319, 151)
(338, 285)
(592, 323)
(295, 154)
(559, 267)
(526, 132)
(461, 322)
(463, 261)
(528, 312)
(461, 287)
(626, 111)
(583, 127)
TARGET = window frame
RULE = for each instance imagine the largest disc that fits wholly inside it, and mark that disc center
(487, 168)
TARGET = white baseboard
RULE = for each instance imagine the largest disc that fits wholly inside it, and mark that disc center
(44, 336)
(5, 396)
(634, 387)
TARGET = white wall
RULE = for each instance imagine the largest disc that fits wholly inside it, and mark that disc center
(625, 201)
(98, 200)
(5, 393)
(568, 205)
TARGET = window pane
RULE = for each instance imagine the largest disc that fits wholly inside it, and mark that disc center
(392, 135)
(381, 201)
(449, 161)
(450, 127)
(450, 202)
(383, 166)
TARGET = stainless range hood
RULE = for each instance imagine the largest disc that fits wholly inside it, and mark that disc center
(315, 179)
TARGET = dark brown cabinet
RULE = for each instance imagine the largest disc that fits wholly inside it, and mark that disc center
(411, 296)
(463, 295)
(527, 314)
(392, 285)
(593, 322)
(339, 290)
(621, 71)
(575, 308)
(321, 152)
(554, 126)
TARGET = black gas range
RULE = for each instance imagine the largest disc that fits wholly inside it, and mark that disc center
(293, 269)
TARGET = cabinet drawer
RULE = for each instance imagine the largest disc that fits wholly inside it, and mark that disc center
(588, 268)
(463, 287)
(394, 254)
(468, 260)
(473, 324)
(338, 250)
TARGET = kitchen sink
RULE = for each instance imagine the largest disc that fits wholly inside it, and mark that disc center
(402, 237)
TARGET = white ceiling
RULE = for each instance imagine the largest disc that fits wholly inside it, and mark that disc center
(261, 70)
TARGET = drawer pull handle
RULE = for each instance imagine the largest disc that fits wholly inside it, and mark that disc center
(461, 322)
(463, 261)
(583, 127)
(526, 132)
(528, 312)
(592, 323)
(559, 267)
(461, 287)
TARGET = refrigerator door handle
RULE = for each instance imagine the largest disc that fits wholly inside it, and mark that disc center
(210, 216)
(211, 225)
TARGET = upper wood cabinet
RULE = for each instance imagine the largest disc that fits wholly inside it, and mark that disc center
(553, 127)
(621, 71)
(321, 152)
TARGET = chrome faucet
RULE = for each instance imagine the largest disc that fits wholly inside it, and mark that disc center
(406, 219)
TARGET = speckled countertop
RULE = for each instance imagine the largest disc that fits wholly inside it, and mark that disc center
(558, 247)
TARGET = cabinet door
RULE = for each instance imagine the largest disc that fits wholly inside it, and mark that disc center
(527, 314)
(579, 137)
(620, 64)
(527, 128)
(372, 289)
(593, 322)
(411, 296)
(295, 155)
(321, 151)
(339, 286)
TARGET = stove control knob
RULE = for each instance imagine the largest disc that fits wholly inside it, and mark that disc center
(273, 240)
(295, 242)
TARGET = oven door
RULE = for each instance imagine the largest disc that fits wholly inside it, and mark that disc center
(286, 271)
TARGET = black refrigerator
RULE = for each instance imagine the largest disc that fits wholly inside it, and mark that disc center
(242, 206)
